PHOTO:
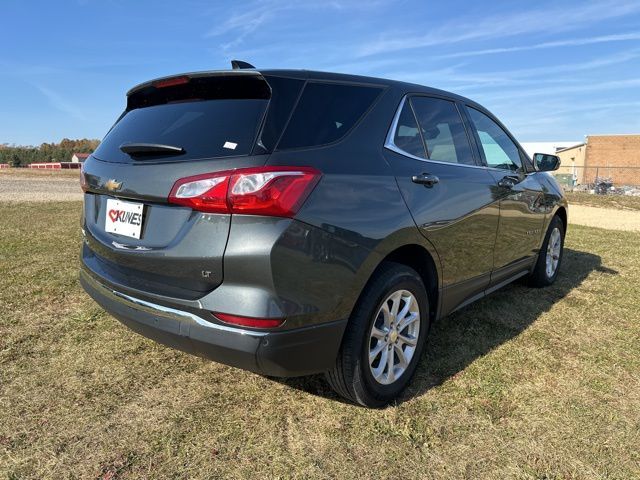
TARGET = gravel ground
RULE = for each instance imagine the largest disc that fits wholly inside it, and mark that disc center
(45, 188)
(609, 218)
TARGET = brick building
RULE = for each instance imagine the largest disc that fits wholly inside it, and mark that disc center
(613, 156)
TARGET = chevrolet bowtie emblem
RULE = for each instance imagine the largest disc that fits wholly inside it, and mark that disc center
(112, 185)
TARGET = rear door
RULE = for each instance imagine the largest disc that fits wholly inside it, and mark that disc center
(450, 196)
(171, 129)
(521, 197)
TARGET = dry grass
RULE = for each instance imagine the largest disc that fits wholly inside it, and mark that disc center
(539, 384)
(620, 202)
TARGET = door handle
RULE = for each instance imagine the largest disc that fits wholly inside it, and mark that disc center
(508, 182)
(425, 179)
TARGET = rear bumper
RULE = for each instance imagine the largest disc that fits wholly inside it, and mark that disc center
(300, 351)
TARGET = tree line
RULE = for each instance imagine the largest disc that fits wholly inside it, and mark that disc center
(20, 156)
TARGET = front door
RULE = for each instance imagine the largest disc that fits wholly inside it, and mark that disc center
(521, 196)
(450, 196)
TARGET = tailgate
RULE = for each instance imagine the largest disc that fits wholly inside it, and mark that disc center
(170, 130)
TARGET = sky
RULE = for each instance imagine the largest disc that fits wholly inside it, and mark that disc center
(550, 70)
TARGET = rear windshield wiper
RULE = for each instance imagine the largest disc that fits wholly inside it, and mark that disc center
(150, 149)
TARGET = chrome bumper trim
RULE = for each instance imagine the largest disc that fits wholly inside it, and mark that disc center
(161, 310)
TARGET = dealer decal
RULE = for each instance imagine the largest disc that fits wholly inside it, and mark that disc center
(124, 218)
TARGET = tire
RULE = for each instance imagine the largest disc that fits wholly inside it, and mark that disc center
(542, 276)
(375, 384)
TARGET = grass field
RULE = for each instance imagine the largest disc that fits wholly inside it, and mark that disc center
(531, 384)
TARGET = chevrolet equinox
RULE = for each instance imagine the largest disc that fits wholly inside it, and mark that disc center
(295, 222)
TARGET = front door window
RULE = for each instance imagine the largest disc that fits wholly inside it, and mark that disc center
(498, 148)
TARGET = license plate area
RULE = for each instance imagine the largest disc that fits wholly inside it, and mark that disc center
(124, 218)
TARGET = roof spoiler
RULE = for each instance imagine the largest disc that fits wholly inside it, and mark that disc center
(187, 76)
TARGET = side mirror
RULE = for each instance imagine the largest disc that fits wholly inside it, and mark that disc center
(546, 163)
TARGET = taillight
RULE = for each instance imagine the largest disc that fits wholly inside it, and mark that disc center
(83, 179)
(249, 321)
(205, 193)
(272, 191)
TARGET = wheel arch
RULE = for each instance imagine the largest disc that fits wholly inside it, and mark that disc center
(561, 212)
(419, 258)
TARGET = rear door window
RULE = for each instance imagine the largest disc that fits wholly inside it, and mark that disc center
(325, 113)
(407, 136)
(443, 131)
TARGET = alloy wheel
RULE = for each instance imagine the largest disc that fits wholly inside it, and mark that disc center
(553, 252)
(394, 336)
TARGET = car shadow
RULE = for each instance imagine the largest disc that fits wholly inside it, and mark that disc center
(460, 338)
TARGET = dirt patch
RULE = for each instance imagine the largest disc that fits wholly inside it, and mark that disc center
(618, 202)
(608, 218)
(40, 188)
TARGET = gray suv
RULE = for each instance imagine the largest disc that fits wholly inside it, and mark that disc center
(294, 222)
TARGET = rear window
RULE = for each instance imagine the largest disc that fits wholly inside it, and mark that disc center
(325, 113)
(206, 129)
(207, 118)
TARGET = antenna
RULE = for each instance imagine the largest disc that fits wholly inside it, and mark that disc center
(240, 65)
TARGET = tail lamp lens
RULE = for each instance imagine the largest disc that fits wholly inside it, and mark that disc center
(83, 180)
(249, 321)
(203, 193)
(272, 191)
